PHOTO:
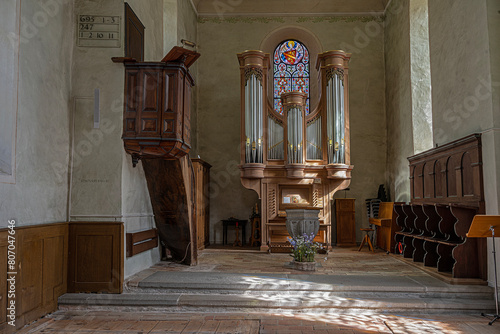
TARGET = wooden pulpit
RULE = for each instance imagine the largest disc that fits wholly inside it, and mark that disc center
(157, 131)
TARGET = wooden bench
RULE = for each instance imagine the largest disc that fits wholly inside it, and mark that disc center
(142, 241)
(386, 226)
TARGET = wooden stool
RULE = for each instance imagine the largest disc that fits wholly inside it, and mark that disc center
(366, 239)
(237, 242)
(255, 230)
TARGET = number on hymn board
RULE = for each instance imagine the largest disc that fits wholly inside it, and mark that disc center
(86, 26)
(87, 18)
(98, 31)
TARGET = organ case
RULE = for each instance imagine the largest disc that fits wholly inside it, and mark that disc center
(294, 158)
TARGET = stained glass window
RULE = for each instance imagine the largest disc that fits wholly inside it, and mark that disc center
(291, 71)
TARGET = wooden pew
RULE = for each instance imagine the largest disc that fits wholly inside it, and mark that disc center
(386, 226)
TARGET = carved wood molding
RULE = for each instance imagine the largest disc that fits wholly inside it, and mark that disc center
(449, 174)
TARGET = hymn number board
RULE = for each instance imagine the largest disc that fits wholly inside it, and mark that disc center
(99, 31)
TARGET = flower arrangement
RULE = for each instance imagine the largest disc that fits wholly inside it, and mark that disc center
(304, 248)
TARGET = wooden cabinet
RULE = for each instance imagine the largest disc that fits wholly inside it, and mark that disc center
(346, 222)
(95, 262)
(202, 202)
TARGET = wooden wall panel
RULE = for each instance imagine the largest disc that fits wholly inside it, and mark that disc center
(451, 177)
(440, 179)
(429, 180)
(55, 269)
(452, 173)
(346, 222)
(96, 257)
(3, 273)
(41, 255)
(134, 35)
(30, 269)
(202, 201)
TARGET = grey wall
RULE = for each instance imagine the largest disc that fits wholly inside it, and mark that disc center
(40, 192)
(219, 104)
(398, 97)
(464, 53)
(9, 47)
(460, 65)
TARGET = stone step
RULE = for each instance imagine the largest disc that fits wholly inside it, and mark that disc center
(287, 284)
(245, 302)
(352, 292)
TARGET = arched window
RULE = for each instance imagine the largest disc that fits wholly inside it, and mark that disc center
(291, 71)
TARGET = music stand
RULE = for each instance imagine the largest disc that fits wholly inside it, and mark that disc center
(483, 227)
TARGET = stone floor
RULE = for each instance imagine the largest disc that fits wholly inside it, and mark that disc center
(338, 262)
(286, 323)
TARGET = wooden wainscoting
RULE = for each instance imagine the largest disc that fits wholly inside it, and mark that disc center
(95, 257)
(41, 262)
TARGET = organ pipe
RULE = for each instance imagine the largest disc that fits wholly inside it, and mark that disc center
(295, 144)
(313, 132)
(253, 118)
(335, 117)
(275, 138)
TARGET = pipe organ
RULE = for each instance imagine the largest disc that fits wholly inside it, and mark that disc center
(294, 157)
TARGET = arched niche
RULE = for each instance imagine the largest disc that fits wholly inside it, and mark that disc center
(428, 180)
(418, 179)
(439, 179)
(275, 37)
(467, 175)
(451, 178)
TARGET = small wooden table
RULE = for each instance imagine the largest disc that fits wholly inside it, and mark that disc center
(233, 222)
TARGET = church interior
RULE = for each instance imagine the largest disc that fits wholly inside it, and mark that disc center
(149, 142)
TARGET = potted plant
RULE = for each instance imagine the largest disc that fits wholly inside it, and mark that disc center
(303, 251)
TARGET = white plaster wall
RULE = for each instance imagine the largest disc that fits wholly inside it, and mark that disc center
(169, 25)
(151, 15)
(399, 99)
(96, 173)
(40, 192)
(9, 47)
(420, 76)
(491, 169)
(219, 105)
(460, 67)
(464, 52)
(493, 12)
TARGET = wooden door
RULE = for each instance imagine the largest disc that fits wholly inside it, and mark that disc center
(202, 177)
(95, 257)
(134, 35)
(346, 222)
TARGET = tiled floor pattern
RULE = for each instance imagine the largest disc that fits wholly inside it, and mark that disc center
(136, 322)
